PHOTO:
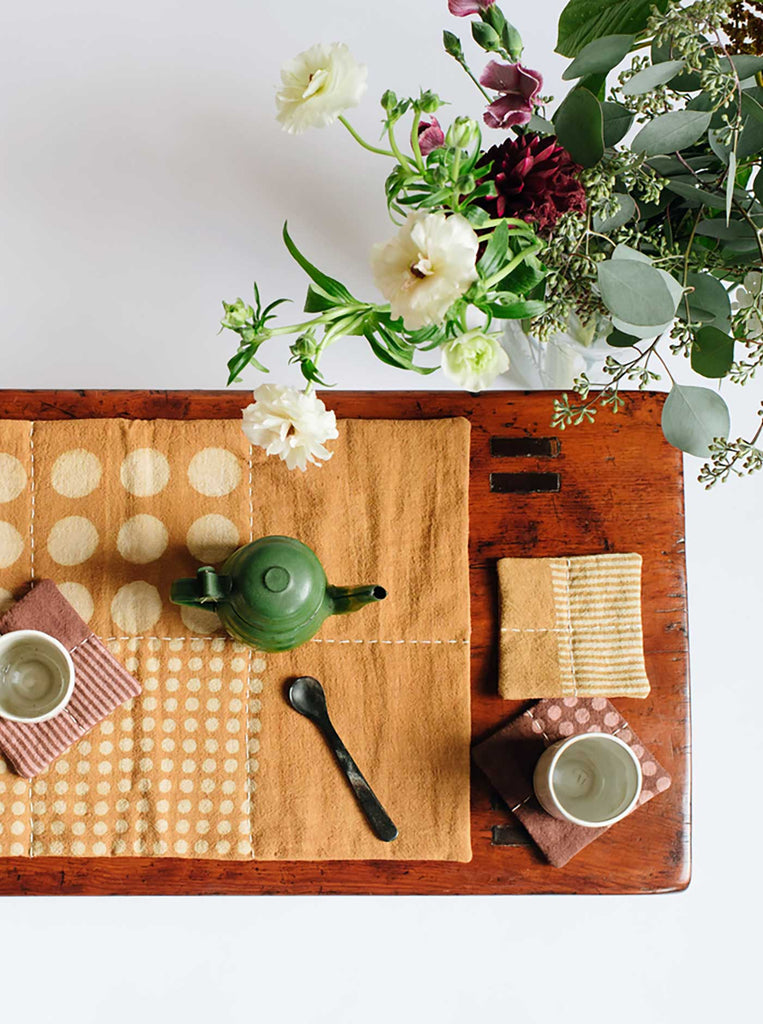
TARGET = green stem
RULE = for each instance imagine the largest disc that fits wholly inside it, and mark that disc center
(469, 73)
(396, 150)
(512, 265)
(415, 147)
(361, 141)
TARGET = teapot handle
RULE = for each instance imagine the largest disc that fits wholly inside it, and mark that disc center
(206, 589)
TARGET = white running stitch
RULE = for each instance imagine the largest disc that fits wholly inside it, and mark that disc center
(315, 640)
(543, 734)
(584, 628)
(512, 809)
(569, 622)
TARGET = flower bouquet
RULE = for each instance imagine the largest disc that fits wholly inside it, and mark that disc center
(630, 215)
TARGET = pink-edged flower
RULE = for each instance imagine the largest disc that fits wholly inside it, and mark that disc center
(518, 87)
(463, 8)
(431, 136)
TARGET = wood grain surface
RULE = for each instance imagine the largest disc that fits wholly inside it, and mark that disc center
(620, 489)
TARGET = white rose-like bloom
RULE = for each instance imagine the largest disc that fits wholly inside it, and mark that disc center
(474, 360)
(427, 266)
(317, 85)
(290, 424)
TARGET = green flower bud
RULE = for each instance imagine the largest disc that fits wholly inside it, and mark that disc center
(237, 314)
(462, 133)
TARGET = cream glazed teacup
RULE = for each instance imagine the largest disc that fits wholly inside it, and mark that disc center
(36, 676)
(591, 779)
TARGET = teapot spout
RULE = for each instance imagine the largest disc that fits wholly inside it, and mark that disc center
(349, 599)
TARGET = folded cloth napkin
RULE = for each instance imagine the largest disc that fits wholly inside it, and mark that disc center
(571, 627)
(101, 683)
(509, 756)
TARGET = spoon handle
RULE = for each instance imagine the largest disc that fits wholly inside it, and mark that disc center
(379, 820)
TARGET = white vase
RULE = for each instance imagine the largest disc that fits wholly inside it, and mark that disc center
(553, 364)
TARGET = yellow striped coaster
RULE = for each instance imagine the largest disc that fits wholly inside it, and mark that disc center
(571, 627)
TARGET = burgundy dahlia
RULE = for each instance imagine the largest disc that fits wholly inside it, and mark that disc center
(534, 179)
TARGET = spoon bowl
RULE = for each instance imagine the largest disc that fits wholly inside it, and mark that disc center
(306, 696)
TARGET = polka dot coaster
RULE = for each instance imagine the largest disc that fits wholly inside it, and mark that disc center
(509, 756)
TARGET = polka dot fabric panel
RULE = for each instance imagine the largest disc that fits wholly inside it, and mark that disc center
(170, 772)
(124, 507)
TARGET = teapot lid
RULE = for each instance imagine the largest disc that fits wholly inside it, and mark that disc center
(276, 580)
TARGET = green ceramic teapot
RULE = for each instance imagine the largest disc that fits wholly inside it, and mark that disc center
(271, 594)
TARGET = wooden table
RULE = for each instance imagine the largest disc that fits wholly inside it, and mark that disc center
(614, 485)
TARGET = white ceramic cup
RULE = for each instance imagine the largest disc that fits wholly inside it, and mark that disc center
(592, 779)
(36, 676)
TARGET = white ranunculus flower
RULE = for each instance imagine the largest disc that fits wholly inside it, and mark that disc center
(317, 85)
(427, 266)
(290, 424)
(474, 360)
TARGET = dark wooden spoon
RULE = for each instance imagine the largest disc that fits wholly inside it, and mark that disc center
(307, 697)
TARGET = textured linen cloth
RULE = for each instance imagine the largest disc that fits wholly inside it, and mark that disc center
(509, 756)
(209, 761)
(101, 683)
(571, 627)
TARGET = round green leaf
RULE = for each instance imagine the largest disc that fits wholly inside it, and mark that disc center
(617, 122)
(651, 77)
(635, 292)
(599, 56)
(672, 132)
(579, 124)
(693, 417)
(709, 301)
(618, 339)
(712, 352)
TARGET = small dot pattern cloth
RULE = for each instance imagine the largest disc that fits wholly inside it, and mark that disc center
(509, 756)
(209, 760)
(571, 627)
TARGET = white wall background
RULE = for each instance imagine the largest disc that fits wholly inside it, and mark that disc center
(143, 179)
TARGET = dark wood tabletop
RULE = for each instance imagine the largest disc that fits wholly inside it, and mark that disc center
(613, 485)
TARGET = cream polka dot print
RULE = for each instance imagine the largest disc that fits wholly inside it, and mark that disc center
(72, 540)
(214, 472)
(212, 538)
(136, 607)
(145, 472)
(13, 477)
(80, 598)
(11, 544)
(76, 473)
(142, 539)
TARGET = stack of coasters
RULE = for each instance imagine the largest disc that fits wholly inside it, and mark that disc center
(571, 627)
(509, 756)
(101, 683)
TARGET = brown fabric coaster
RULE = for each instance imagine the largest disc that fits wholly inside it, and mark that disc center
(571, 627)
(101, 684)
(509, 756)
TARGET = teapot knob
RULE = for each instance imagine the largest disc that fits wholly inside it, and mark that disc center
(276, 579)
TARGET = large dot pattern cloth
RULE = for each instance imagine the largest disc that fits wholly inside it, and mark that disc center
(122, 508)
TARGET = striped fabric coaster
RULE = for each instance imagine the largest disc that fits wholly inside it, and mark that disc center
(571, 627)
(101, 683)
